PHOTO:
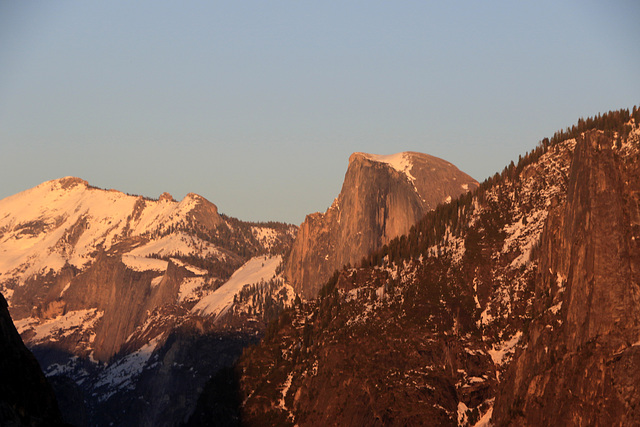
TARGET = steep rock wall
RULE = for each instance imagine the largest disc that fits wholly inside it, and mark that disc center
(381, 198)
(581, 365)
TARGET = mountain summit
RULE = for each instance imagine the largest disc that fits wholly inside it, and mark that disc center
(382, 197)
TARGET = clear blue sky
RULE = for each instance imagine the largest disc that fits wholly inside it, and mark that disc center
(257, 105)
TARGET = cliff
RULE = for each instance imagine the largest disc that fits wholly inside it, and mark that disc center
(581, 364)
(381, 198)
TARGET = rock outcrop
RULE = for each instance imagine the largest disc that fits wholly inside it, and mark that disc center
(381, 198)
(26, 398)
(581, 364)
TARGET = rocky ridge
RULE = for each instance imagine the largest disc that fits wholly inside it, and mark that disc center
(381, 198)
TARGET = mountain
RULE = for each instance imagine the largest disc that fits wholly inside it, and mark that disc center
(515, 303)
(116, 295)
(381, 198)
(26, 398)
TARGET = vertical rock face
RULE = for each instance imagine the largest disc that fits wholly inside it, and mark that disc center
(381, 198)
(26, 399)
(581, 364)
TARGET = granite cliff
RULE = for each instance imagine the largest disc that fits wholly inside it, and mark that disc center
(581, 362)
(381, 198)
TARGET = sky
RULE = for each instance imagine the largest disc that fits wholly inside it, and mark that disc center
(257, 105)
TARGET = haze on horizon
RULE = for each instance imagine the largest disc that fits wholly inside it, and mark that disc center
(257, 106)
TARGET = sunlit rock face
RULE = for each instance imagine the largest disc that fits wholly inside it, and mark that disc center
(381, 198)
(581, 364)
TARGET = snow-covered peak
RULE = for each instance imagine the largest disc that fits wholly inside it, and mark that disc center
(401, 162)
(66, 220)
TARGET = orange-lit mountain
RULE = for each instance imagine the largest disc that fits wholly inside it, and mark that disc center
(381, 198)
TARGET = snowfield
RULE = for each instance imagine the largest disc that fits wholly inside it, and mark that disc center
(60, 326)
(253, 271)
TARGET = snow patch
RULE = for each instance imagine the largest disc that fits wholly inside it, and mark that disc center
(285, 390)
(499, 351)
(139, 263)
(556, 308)
(65, 289)
(195, 270)
(485, 316)
(399, 161)
(253, 271)
(462, 414)
(266, 236)
(156, 281)
(485, 420)
(178, 244)
(189, 289)
(121, 374)
(61, 326)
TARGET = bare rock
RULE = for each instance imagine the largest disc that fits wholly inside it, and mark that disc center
(581, 365)
(381, 198)
(166, 197)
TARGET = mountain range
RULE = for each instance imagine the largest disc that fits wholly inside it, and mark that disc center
(418, 297)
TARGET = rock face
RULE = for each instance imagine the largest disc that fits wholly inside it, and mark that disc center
(581, 364)
(26, 398)
(381, 198)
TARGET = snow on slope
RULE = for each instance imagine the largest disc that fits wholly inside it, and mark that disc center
(61, 326)
(266, 236)
(189, 289)
(66, 220)
(138, 263)
(254, 270)
(122, 373)
(507, 347)
(178, 244)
